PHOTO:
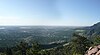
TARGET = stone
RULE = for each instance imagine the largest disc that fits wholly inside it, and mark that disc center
(93, 50)
(98, 53)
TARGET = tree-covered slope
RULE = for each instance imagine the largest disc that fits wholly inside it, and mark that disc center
(94, 30)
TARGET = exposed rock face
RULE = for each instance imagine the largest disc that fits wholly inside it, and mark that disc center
(93, 50)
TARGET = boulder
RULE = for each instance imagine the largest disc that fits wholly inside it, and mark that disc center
(93, 50)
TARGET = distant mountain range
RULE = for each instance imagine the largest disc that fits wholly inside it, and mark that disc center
(94, 30)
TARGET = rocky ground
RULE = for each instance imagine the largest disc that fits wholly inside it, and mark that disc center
(93, 50)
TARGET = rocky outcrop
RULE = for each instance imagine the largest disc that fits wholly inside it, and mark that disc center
(93, 50)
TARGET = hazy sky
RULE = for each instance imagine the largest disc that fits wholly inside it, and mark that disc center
(49, 12)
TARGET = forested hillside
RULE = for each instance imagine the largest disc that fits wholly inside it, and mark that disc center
(76, 41)
(77, 46)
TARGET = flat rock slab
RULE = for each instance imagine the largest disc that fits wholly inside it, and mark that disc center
(93, 50)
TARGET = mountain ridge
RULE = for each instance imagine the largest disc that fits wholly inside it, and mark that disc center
(94, 30)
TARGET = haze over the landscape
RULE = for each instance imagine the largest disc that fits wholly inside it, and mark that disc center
(49, 12)
(49, 27)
